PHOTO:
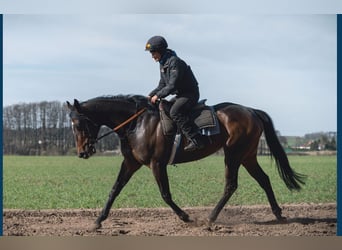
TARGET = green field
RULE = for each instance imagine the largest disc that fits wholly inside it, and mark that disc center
(69, 182)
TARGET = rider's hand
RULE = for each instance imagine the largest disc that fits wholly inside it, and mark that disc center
(154, 99)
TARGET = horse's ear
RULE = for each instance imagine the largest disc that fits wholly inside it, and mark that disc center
(77, 105)
(69, 105)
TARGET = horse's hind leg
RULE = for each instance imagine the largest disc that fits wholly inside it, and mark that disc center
(231, 176)
(128, 168)
(254, 169)
(160, 174)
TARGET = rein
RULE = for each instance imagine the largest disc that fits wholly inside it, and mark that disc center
(122, 124)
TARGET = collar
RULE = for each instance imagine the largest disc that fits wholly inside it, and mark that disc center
(166, 56)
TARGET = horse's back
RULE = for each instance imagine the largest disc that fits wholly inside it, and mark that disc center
(236, 112)
(240, 122)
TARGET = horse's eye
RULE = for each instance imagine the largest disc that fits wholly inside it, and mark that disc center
(76, 125)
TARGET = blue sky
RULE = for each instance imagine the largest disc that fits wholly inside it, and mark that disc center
(283, 64)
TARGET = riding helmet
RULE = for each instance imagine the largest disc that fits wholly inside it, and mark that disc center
(156, 43)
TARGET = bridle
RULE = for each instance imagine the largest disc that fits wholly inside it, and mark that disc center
(92, 140)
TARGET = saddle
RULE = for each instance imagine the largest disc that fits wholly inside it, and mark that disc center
(203, 116)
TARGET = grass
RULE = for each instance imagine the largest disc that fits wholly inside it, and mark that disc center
(69, 182)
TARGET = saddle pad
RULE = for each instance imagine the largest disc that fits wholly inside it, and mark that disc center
(204, 118)
(169, 127)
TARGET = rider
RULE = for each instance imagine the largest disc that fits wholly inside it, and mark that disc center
(176, 77)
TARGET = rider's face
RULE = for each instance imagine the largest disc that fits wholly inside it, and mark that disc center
(156, 56)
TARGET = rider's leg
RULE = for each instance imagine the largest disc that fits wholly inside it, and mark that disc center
(180, 114)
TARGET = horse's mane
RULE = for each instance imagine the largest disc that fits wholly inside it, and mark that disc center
(139, 101)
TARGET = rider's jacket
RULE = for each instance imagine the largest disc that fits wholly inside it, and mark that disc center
(176, 77)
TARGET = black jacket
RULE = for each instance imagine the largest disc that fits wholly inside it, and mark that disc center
(176, 77)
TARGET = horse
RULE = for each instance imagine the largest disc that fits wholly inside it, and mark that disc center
(137, 123)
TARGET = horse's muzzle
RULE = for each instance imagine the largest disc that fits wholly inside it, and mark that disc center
(83, 155)
(90, 150)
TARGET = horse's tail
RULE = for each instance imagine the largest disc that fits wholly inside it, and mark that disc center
(288, 175)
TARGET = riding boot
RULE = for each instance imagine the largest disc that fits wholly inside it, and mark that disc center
(194, 144)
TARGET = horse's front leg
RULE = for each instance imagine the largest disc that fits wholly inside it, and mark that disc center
(128, 167)
(160, 174)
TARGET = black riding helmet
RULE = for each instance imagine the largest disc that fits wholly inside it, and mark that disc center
(156, 43)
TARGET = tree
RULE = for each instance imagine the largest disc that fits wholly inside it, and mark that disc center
(331, 145)
(43, 128)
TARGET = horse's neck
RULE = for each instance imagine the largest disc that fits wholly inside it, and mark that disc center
(116, 117)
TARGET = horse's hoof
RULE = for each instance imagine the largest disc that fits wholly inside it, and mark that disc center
(185, 217)
(209, 223)
(281, 219)
(95, 227)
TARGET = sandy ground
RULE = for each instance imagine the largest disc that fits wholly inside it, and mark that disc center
(302, 220)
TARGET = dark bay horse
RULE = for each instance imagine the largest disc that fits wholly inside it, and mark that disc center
(143, 143)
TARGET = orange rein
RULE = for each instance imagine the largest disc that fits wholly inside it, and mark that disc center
(123, 123)
(129, 119)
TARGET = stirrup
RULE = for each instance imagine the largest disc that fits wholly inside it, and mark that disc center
(193, 145)
(190, 147)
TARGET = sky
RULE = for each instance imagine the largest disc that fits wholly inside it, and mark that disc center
(282, 64)
(171, 7)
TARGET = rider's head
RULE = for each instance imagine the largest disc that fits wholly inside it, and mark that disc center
(156, 44)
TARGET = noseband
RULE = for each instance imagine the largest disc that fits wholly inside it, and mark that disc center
(91, 138)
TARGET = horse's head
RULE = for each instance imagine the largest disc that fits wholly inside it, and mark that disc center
(84, 129)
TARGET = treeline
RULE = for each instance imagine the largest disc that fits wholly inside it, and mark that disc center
(43, 128)
(322, 140)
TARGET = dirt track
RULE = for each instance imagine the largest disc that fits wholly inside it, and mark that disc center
(302, 220)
